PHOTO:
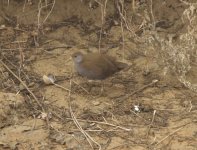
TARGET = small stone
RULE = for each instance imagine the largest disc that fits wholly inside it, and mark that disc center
(21, 87)
(96, 103)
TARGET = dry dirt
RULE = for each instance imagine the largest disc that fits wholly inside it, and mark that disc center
(132, 113)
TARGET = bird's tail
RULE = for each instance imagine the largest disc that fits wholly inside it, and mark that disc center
(121, 65)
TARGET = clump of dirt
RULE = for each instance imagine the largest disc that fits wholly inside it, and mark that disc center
(149, 105)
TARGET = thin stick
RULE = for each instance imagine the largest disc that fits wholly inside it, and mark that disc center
(153, 118)
(139, 116)
(80, 86)
(124, 19)
(22, 58)
(38, 102)
(80, 128)
(103, 14)
(123, 39)
(142, 88)
(49, 12)
(151, 11)
(170, 134)
(57, 85)
(104, 123)
(24, 5)
(190, 106)
(39, 12)
(188, 3)
(87, 136)
(34, 123)
(133, 5)
(101, 30)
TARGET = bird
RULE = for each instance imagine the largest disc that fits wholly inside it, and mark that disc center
(96, 66)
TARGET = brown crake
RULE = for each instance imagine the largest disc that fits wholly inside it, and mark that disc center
(95, 65)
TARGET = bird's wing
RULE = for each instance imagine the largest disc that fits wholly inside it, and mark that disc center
(93, 70)
(104, 64)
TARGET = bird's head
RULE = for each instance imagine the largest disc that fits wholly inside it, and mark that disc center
(77, 57)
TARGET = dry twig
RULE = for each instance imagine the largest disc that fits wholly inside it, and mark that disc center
(171, 134)
(142, 88)
(38, 102)
(154, 112)
(87, 136)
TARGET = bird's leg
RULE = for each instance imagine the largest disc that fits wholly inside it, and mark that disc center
(102, 88)
(95, 84)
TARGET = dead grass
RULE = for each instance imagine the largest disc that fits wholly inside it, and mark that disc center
(114, 122)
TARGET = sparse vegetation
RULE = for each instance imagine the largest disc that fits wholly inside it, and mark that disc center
(149, 105)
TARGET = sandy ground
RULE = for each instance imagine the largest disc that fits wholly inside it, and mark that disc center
(143, 107)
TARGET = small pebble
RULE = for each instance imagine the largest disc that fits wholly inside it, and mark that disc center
(96, 103)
